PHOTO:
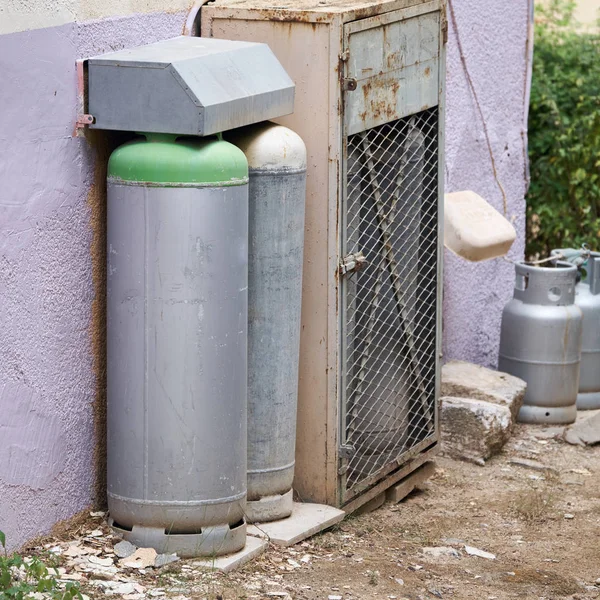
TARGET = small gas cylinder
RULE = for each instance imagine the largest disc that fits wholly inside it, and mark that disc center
(540, 341)
(587, 297)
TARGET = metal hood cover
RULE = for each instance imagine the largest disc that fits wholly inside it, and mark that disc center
(188, 86)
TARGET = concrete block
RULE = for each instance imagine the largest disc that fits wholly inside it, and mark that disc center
(466, 380)
(474, 229)
(474, 430)
(254, 547)
(403, 488)
(306, 520)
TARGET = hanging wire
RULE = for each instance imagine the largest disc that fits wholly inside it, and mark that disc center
(577, 257)
(479, 109)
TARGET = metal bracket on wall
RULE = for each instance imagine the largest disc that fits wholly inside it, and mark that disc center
(83, 119)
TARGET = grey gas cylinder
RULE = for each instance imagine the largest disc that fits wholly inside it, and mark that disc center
(277, 171)
(587, 297)
(540, 341)
(177, 344)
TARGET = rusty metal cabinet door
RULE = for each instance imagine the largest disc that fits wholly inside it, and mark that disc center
(389, 219)
(392, 66)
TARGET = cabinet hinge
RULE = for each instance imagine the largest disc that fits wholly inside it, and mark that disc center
(444, 24)
(349, 84)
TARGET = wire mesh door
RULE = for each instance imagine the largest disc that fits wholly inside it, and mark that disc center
(389, 307)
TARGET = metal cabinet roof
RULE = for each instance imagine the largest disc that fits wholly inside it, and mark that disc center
(189, 86)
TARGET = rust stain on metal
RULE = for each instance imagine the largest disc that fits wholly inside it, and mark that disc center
(393, 59)
(366, 89)
(282, 14)
(380, 98)
(427, 72)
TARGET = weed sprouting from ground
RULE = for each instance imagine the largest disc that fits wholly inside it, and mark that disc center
(534, 504)
(373, 577)
(20, 578)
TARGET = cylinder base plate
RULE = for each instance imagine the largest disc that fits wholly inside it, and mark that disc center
(270, 508)
(551, 415)
(588, 400)
(211, 541)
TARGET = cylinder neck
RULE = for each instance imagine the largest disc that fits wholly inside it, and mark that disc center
(593, 273)
(550, 286)
(160, 137)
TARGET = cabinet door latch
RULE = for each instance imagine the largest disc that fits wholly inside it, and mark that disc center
(352, 262)
(345, 453)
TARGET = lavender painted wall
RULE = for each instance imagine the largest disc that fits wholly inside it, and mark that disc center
(493, 36)
(48, 378)
(48, 384)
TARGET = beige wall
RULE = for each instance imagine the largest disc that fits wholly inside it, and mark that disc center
(24, 15)
(587, 11)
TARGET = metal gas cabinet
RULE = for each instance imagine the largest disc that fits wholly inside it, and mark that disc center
(369, 105)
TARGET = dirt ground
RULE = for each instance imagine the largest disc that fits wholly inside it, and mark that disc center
(543, 526)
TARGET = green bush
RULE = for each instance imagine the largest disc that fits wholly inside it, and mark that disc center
(563, 202)
(23, 578)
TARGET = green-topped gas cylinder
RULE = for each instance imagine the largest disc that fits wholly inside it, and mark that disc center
(177, 245)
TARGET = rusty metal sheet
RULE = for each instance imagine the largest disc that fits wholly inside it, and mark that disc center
(309, 11)
(395, 65)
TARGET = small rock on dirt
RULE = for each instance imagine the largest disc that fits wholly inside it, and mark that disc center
(124, 549)
(440, 551)
(580, 472)
(453, 541)
(532, 464)
(75, 550)
(140, 559)
(549, 433)
(96, 533)
(116, 587)
(165, 559)
(472, 551)
(585, 432)
(569, 516)
(71, 577)
(103, 562)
